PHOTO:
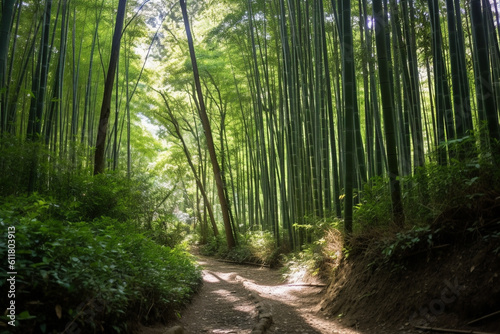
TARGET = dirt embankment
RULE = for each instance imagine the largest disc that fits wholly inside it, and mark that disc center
(447, 286)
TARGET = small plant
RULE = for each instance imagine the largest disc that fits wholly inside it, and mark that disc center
(301, 265)
(262, 246)
(406, 242)
(493, 237)
(374, 208)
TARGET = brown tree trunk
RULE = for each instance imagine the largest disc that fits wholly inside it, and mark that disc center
(231, 242)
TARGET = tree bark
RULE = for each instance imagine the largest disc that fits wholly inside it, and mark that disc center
(5, 26)
(231, 242)
(108, 91)
(388, 113)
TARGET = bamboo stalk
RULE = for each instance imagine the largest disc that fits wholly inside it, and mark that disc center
(245, 263)
(484, 317)
(308, 284)
(445, 330)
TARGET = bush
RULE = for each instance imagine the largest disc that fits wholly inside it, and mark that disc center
(428, 193)
(96, 275)
(262, 246)
(374, 209)
(16, 160)
(167, 230)
(254, 246)
(70, 180)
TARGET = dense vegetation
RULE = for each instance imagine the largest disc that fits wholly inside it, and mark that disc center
(254, 128)
(84, 259)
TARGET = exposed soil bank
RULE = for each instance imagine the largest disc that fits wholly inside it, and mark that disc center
(445, 287)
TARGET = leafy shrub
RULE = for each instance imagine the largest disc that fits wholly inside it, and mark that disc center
(167, 230)
(16, 159)
(262, 246)
(408, 241)
(26, 163)
(71, 180)
(95, 276)
(213, 246)
(108, 194)
(301, 265)
(429, 192)
(374, 208)
(253, 246)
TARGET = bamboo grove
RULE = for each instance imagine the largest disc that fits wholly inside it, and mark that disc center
(307, 100)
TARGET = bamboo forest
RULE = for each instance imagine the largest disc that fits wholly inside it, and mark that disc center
(250, 166)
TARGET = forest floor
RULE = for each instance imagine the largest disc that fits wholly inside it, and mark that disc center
(237, 298)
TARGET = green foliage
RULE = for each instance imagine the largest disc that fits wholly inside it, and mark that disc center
(258, 247)
(374, 208)
(16, 159)
(254, 246)
(115, 271)
(407, 241)
(262, 246)
(432, 190)
(436, 189)
(443, 204)
(108, 194)
(167, 230)
(493, 237)
(307, 262)
(79, 194)
(213, 246)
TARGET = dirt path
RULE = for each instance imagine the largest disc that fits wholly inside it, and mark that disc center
(236, 299)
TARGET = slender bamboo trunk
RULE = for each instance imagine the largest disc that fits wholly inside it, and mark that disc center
(388, 111)
(483, 78)
(5, 28)
(99, 162)
(350, 103)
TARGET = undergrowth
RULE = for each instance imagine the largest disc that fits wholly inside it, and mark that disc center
(443, 205)
(257, 247)
(95, 276)
(93, 254)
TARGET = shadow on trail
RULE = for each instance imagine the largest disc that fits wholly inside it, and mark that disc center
(221, 306)
(228, 299)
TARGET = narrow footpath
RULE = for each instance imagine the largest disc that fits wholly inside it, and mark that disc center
(244, 299)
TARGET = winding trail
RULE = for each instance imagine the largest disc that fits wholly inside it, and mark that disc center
(242, 299)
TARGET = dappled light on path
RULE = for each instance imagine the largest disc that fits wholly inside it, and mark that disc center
(235, 298)
(230, 294)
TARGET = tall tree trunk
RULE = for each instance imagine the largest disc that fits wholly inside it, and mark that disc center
(458, 71)
(231, 242)
(199, 183)
(388, 112)
(416, 112)
(485, 94)
(99, 162)
(39, 86)
(5, 27)
(350, 102)
(38, 102)
(444, 117)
